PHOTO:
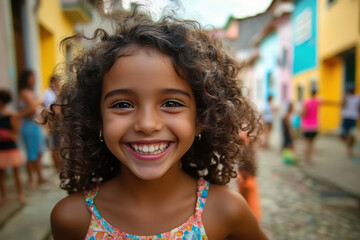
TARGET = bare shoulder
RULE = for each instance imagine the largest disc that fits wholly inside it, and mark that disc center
(227, 215)
(70, 218)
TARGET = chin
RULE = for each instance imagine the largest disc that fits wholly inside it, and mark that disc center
(149, 175)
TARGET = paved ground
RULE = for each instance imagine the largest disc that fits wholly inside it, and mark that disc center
(332, 165)
(30, 220)
(315, 202)
(298, 207)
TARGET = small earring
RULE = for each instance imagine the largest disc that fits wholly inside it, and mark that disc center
(101, 136)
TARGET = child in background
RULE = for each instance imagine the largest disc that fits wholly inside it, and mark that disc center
(150, 116)
(247, 184)
(10, 155)
(288, 145)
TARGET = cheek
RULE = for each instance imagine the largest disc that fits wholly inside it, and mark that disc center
(184, 128)
(114, 127)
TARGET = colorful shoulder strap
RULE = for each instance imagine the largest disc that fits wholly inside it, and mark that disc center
(90, 196)
(202, 193)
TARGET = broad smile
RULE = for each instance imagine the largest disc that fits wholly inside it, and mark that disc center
(149, 149)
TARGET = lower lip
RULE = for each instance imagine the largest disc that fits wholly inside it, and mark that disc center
(150, 157)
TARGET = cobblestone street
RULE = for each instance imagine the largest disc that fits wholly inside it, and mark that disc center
(297, 207)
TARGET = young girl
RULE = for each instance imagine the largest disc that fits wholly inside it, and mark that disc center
(10, 156)
(150, 116)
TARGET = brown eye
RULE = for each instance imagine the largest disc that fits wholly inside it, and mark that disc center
(122, 104)
(172, 104)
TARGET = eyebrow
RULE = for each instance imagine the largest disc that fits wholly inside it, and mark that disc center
(118, 91)
(163, 91)
(176, 91)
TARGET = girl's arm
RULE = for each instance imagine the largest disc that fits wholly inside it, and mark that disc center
(227, 216)
(243, 224)
(70, 218)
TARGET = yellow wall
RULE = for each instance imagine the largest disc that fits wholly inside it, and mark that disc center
(338, 26)
(304, 80)
(331, 91)
(53, 27)
(357, 59)
(47, 54)
(338, 31)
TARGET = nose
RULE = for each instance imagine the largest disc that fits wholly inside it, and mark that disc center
(148, 120)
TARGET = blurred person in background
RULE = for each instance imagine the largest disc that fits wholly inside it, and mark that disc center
(268, 113)
(31, 133)
(350, 115)
(247, 185)
(10, 155)
(286, 128)
(310, 122)
(288, 145)
(54, 138)
(51, 92)
(296, 119)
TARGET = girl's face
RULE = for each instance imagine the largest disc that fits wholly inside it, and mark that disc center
(148, 113)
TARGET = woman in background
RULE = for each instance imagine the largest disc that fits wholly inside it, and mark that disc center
(31, 133)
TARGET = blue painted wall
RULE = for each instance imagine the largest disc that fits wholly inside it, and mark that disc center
(305, 54)
(269, 50)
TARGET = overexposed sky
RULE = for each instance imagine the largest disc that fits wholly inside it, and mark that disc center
(210, 13)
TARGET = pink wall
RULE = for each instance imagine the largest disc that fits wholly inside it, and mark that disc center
(283, 26)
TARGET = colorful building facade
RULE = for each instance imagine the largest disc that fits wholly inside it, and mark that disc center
(304, 42)
(32, 32)
(276, 54)
(268, 70)
(56, 21)
(338, 50)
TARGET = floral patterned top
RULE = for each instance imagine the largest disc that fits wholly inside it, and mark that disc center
(193, 228)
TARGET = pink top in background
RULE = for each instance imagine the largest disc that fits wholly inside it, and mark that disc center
(309, 121)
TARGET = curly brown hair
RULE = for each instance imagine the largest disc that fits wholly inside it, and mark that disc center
(222, 109)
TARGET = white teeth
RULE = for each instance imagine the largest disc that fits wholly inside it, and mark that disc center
(149, 149)
(146, 149)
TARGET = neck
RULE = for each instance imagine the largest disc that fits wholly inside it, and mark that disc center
(154, 191)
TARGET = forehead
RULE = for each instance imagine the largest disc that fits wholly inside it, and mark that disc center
(143, 67)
